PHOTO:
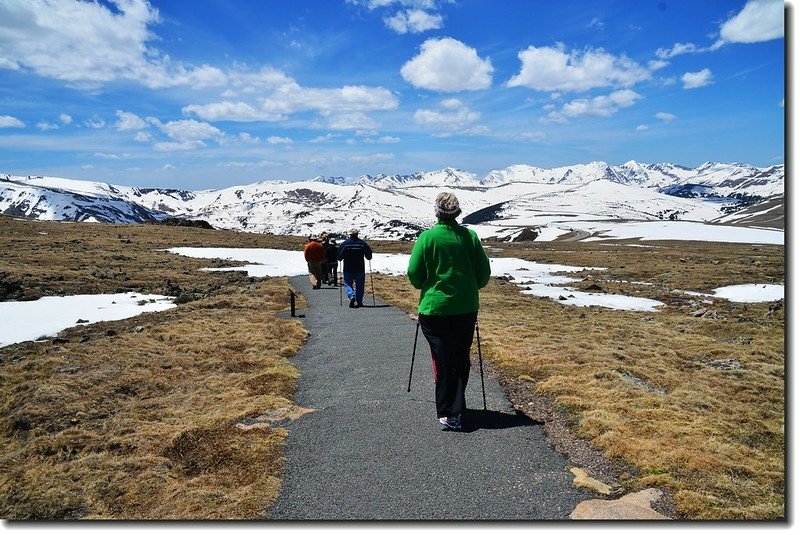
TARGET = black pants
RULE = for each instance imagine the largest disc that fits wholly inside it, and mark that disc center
(450, 338)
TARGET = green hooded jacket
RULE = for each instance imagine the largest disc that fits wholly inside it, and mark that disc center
(448, 265)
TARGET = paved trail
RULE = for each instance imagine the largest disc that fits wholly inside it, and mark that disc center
(373, 451)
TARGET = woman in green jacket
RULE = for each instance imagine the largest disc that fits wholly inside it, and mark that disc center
(448, 265)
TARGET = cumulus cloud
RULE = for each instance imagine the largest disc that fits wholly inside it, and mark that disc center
(601, 106)
(279, 96)
(189, 130)
(129, 121)
(448, 65)
(91, 43)
(452, 117)
(693, 80)
(679, 49)
(413, 21)
(666, 117)
(65, 118)
(44, 126)
(555, 69)
(642, 128)
(245, 137)
(95, 122)
(351, 121)
(759, 20)
(7, 121)
(232, 111)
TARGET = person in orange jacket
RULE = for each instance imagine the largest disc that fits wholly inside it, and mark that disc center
(314, 253)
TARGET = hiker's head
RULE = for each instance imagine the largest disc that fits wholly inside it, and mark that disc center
(354, 233)
(313, 237)
(447, 206)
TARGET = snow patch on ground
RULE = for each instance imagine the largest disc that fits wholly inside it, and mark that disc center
(28, 320)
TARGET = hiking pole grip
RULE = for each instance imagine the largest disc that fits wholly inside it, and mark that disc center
(413, 353)
(480, 361)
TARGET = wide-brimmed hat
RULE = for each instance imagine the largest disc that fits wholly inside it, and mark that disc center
(447, 204)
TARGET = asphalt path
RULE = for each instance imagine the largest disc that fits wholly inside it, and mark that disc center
(371, 450)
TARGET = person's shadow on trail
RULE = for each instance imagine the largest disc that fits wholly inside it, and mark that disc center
(486, 419)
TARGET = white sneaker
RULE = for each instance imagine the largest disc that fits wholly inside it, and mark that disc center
(451, 422)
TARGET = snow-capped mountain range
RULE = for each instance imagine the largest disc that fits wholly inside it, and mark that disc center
(399, 206)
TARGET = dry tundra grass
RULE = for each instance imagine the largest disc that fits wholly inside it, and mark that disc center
(692, 404)
(138, 419)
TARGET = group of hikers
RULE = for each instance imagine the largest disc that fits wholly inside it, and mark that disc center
(448, 265)
(323, 256)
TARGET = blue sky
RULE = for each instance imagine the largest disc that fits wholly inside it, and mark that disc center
(206, 94)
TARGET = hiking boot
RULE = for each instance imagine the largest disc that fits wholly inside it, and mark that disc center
(451, 422)
(360, 303)
(352, 303)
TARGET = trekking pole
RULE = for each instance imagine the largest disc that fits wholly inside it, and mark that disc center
(371, 282)
(480, 360)
(413, 352)
(341, 283)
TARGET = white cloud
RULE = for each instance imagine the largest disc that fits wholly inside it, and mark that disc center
(172, 146)
(189, 130)
(324, 139)
(679, 49)
(292, 98)
(247, 138)
(601, 106)
(642, 128)
(693, 80)
(453, 118)
(413, 21)
(44, 126)
(129, 121)
(7, 121)
(95, 122)
(666, 117)
(657, 64)
(231, 111)
(106, 156)
(555, 69)
(448, 65)
(280, 96)
(65, 119)
(88, 44)
(276, 140)
(350, 121)
(143, 137)
(759, 20)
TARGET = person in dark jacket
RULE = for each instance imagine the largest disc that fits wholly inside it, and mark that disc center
(332, 263)
(352, 252)
(449, 266)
